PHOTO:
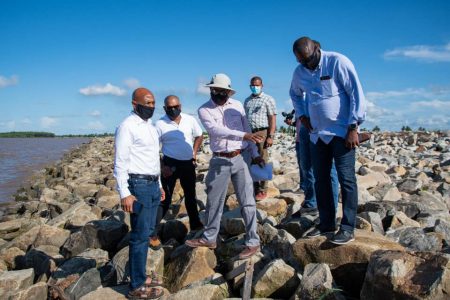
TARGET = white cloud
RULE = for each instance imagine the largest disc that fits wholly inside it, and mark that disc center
(4, 81)
(435, 104)
(431, 92)
(201, 88)
(401, 93)
(95, 113)
(108, 89)
(95, 125)
(132, 83)
(421, 52)
(47, 122)
(11, 124)
(434, 122)
(25, 121)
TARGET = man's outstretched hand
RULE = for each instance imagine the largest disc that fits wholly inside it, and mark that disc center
(253, 137)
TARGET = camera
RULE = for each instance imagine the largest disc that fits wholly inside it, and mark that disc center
(288, 116)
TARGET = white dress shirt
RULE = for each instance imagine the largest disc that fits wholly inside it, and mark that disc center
(137, 151)
(177, 139)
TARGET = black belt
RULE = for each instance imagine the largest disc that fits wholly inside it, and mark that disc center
(259, 129)
(228, 154)
(146, 177)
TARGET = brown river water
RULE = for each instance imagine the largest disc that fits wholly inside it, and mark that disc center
(21, 157)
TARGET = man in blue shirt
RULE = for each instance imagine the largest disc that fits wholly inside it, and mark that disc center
(330, 103)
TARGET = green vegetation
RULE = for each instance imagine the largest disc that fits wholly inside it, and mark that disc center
(376, 128)
(35, 134)
(25, 134)
(421, 129)
(406, 128)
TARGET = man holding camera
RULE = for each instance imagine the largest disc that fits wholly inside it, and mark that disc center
(330, 103)
(261, 114)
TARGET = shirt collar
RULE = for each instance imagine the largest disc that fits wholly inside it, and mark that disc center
(138, 119)
(167, 119)
(214, 105)
(319, 66)
(258, 96)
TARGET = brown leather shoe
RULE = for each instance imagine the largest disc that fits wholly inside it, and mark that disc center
(154, 243)
(200, 243)
(248, 252)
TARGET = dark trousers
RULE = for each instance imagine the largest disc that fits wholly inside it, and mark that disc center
(185, 171)
(261, 186)
(344, 158)
(142, 219)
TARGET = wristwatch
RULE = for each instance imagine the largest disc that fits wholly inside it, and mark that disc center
(270, 136)
(352, 126)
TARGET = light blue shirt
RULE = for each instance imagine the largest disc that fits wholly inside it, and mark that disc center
(331, 96)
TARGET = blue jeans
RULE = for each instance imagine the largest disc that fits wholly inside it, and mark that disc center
(306, 171)
(322, 158)
(142, 219)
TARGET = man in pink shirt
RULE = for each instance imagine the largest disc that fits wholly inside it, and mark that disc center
(229, 132)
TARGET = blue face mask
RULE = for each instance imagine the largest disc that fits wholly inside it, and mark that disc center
(256, 90)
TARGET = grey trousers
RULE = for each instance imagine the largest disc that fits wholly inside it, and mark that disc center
(221, 169)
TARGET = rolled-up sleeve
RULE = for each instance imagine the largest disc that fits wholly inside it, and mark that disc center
(271, 107)
(298, 97)
(123, 141)
(350, 81)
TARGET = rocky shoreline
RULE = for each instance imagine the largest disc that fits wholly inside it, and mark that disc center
(66, 237)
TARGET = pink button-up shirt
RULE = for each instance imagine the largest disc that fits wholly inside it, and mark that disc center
(226, 126)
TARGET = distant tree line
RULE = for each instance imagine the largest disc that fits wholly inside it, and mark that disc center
(36, 134)
(26, 134)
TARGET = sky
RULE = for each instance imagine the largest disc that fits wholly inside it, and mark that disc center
(71, 66)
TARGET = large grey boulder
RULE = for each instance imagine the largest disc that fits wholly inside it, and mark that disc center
(193, 265)
(317, 283)
(103, 234)
(37, 291)
(13, 281)
(348, 262)
(276, 280)
(407, 275)
(416, 239)
(120, 263)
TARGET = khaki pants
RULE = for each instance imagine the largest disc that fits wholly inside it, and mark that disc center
(261, 186)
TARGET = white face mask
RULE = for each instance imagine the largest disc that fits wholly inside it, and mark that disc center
(256, 90)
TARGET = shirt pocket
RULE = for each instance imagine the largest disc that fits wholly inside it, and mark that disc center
(328, 87)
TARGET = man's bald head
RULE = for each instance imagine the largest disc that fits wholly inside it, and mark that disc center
(307, 52)
(304, 46)
(144, 97)
(171, 100)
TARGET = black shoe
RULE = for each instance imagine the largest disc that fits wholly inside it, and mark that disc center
(312, 211)
(316, 232)
(342, 237)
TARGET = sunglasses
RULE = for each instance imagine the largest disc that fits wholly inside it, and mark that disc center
(172, 107)
(220, 92)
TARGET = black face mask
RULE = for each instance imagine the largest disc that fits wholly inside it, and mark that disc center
(219, 98)
(312, 61)
(144, 112)
(173, 112)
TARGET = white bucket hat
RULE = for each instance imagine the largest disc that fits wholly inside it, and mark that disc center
(221, 81)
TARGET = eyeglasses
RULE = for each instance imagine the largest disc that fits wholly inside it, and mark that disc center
(220, 92)
(172, 107)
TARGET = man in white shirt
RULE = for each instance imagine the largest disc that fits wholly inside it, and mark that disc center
(181, 138)
(137, 170)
